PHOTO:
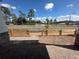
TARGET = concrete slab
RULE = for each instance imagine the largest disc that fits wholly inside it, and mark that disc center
(56, 52)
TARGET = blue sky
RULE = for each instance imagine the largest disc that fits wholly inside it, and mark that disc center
(45, 8)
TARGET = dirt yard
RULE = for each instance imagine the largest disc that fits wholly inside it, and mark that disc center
(36, 45)
(41, 47)
(57, 40)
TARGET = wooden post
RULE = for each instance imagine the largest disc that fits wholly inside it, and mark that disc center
(11, 31)
(46, 32)
(77, 37)
(28, 32)
(42, 33)
(60, 32)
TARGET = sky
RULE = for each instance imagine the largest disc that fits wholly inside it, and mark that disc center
(44, 8)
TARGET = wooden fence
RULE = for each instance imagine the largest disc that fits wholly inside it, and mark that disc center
(23, 31)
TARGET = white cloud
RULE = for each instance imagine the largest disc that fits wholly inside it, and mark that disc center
(5, 5)
(49, 6)
(13, 7)
(44, 17)
(35, 10)
(60, 18)
(40, 18)
(50, 17)
(8, 6)
(66, 17)
(70, 5)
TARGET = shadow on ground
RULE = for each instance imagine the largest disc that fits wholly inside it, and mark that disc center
(24, 50)
(73, 47)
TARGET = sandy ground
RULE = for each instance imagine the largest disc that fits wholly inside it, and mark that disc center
(41, 47)
(47, 47)
(58, 40)
(52, 46)
(56, 52)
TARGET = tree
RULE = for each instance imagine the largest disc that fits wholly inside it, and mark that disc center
(38, 22)
(47, 26)
(50, 22)
(21, 21)
(55, 20)
(47, 21)
(67, 22)
(6, 10)
(31, 14)
(22, 14)
(7, 13)
(14, 19)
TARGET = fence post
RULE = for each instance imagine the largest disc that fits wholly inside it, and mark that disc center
(11, 31)
(28, 32)
(46, 32)
(60, 32)
(77, 37)
(42, 33)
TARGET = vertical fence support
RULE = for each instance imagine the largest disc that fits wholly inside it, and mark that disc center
(11, 32)
(60, 32)
(77, 37)
(42, 33)
(28, 32)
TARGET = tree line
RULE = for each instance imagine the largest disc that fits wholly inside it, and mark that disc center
(24, 19)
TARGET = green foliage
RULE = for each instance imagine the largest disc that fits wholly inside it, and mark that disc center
(38, 22)
(32, 22)
(21, 21)
(14, 18)
(47, 26)
(55, 21)
(67, 23)
(47, 21)
(6, 10)
(22, 14)
(51, 22)
(31, 13)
